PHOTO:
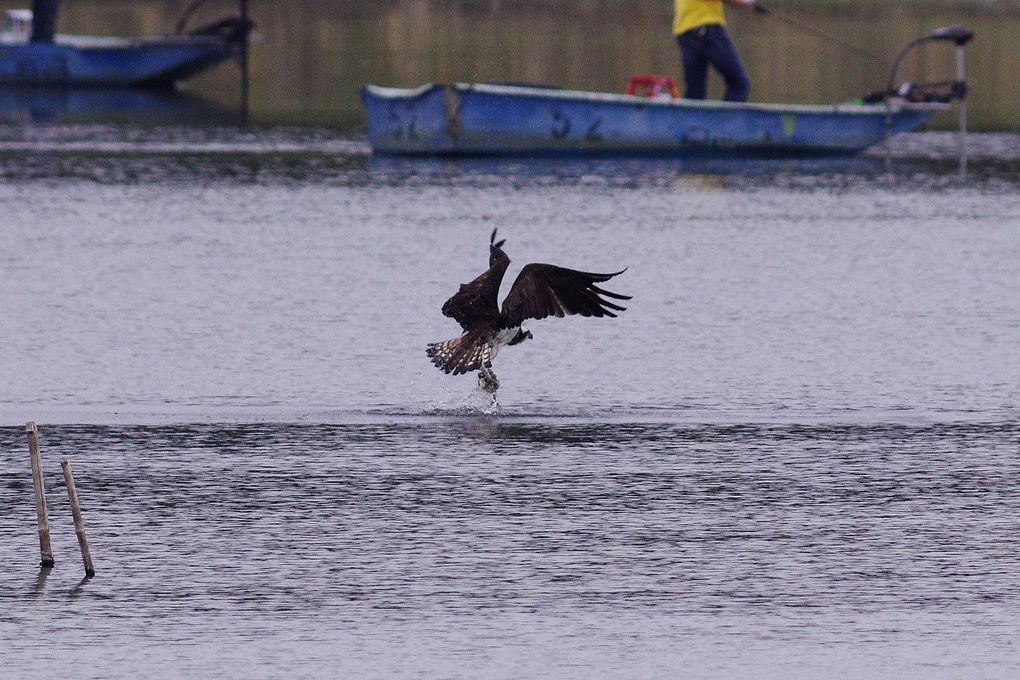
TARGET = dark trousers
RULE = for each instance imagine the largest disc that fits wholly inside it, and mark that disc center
(706, 45)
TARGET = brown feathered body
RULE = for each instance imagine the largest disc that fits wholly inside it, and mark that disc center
(540, 291)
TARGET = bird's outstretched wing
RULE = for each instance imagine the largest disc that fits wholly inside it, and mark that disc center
(543, 290)
(476, 301)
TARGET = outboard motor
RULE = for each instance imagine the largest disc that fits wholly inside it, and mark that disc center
(944, 91)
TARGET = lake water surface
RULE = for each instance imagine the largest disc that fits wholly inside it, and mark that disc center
(796, 455)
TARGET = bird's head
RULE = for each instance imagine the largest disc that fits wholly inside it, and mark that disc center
(496, 249)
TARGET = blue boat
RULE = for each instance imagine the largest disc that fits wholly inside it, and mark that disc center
(470, 119)
(32, 54)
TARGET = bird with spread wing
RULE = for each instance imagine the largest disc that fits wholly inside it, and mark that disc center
(540, 291)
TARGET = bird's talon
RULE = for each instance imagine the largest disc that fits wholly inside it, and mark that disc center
(487, 381)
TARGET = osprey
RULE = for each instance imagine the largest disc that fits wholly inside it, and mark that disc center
(540, 290)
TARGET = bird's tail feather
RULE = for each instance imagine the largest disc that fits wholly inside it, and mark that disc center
(467, 353)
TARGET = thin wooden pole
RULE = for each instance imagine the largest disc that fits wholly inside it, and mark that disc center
(79, 523)
(245, 42)
(40, 497)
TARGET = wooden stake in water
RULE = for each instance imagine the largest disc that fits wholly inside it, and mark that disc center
(40, 496)
(79, 523)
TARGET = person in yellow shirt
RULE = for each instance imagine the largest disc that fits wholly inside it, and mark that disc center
(699, 28)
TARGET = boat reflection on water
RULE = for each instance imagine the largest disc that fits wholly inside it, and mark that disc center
(618, 171)
(19, 104)
(875, 166)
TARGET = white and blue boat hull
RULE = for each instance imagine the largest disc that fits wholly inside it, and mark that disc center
(507, 120)
(118, 64)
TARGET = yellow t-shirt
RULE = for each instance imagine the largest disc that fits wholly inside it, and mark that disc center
(690, 14)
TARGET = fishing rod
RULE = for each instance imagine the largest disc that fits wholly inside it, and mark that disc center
(761, 9)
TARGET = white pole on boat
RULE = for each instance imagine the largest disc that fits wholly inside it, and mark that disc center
(961, 84)
(888, 135)
(960, 35)
(244, 62)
